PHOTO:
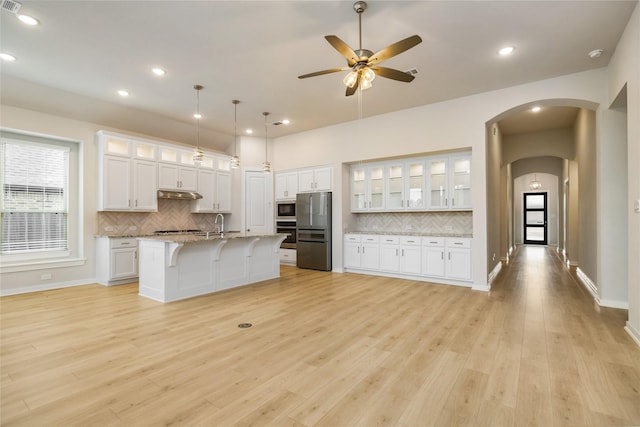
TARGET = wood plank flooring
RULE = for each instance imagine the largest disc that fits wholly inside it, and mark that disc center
(324, 350)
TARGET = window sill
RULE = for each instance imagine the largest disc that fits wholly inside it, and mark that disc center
(14, 267)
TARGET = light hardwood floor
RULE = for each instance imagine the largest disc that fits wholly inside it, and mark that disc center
(325, 349)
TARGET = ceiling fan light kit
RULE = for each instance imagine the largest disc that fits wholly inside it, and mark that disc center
(362, 62)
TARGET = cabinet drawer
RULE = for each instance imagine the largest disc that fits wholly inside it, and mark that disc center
(458, 243)
(123, 243)
(370, 238)
(410, 240)
(433, 241)
(354, 238)
(389, 240)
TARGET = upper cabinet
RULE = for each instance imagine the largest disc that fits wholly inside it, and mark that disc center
(289, 183)
(314, 179)
(286, 185)
(367, 188)
(449, 182)
(131, 170)
(413, 184)
(127, 175)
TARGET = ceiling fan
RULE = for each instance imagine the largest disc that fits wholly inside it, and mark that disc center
(363, 62)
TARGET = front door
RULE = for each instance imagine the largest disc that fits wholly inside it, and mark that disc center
(535, 218)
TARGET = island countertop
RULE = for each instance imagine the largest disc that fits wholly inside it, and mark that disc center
(203, 237)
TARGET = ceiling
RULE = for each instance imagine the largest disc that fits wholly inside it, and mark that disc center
(73, 63)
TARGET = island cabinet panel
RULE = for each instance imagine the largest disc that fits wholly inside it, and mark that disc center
(180, 267)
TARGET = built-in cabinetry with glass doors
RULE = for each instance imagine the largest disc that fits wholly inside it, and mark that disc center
(367, 187)
(449, 182)
(127, 174)
(413, 184)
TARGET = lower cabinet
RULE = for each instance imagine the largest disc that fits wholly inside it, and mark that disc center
(439, 259)
(288, 256)
(116, 260)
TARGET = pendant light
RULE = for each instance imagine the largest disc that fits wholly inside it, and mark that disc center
(197, 153)
(535, 184)
(235, 160)
(266, 166)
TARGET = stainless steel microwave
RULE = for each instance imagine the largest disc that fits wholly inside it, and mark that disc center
(286, 210)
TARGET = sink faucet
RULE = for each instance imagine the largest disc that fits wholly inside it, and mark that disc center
(221, 222)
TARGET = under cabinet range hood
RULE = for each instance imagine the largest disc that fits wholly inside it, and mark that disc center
(178, 195)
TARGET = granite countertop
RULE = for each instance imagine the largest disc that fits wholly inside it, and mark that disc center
(411, 233)
(201, 237)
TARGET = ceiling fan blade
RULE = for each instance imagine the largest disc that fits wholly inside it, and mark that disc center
(319, 73)
(394, 49)
(393, 74)
(352, 90)
(343, 48)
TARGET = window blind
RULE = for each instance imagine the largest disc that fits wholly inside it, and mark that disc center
(34, 197)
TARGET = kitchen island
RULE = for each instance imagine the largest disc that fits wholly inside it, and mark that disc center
(176, 267)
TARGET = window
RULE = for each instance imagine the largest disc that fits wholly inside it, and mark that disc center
(40, 200)
(34, 197)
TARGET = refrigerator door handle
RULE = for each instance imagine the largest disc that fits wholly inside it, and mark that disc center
(310, 210)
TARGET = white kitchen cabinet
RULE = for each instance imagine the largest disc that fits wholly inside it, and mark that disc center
(176, 177)
(286, 185)
(126, 174)
(288, 256)
(215, 188)
(433, 251)
(314, 179)
(459, 258)
(362, 251)
(405, 185)
(367, 188)
(449, 182)
(438, 259)
(116, 260)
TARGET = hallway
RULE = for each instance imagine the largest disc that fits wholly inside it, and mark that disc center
(577, 364)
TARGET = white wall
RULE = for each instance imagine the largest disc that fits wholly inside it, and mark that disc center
(454, 124)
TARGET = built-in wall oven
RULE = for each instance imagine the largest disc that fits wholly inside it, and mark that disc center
(287, 227)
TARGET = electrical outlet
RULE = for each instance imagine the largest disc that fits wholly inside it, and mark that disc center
(448, 228)
(636, 206)
(408, 227)
(46, 276)
(133, 228)
(108, 228)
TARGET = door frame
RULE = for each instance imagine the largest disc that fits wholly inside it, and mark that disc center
(544, 226)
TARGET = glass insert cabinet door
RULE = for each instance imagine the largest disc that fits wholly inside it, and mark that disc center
(461, 186)
(395, 194)
(376, 185)
(358, 189)
(415, 185)
(438, 197)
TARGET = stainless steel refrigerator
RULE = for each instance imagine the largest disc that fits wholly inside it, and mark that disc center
(313, 231)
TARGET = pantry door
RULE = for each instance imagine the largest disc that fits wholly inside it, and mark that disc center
(258, 196)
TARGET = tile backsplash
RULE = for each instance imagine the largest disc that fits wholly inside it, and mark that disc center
(171, 215)
(423, 222)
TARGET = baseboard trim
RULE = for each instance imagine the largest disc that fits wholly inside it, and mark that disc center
(633, 333)
(496, 270)
(614, 304)
(588, 284)
(482, 288)
(47, 287)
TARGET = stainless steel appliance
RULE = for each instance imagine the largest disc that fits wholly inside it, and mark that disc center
(289, 228)
(286, 210)
(313, 225)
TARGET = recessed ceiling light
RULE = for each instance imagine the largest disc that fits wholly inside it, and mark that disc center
(29, 20)
(158, 71)
(123, 93)
(536, 109)
(7, 57)
(249, 131)
(285, 122)
(197, 115)
(507, 50)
